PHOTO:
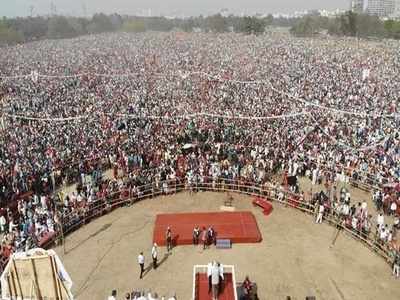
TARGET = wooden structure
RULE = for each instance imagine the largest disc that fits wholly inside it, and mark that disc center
(36, 274)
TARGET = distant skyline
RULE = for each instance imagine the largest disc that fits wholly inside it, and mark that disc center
(13, 8)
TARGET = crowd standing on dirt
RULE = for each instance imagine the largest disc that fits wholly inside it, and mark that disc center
(194, 108)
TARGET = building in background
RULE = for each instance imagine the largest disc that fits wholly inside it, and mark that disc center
(357, 6)
(396, 13)
(381, 8)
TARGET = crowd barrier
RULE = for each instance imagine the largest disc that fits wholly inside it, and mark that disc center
(127, 197)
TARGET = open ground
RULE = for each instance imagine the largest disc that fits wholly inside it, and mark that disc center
(294, 258)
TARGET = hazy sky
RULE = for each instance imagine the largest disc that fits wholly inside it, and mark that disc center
(165, 7)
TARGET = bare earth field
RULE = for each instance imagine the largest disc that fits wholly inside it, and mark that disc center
(294, 258)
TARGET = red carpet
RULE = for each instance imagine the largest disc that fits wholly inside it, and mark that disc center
(239, 227)
(227, 292)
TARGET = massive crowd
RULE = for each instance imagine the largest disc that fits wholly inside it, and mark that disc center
(180, 107)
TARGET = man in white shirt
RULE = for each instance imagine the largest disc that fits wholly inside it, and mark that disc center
(314, 176)
(320, 213)
(209, 269)
(380, 220)
(393, 208)
(3, 223)
(215, 280)
(141, 264)
(154, 255)
(113, 295)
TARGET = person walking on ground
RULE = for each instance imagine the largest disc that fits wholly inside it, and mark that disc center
(154, 255)
(215, 280)
(396, 265)
(204, 238)
(168, 237)
(113, 295)
(141, 264)
(196, 235)
(320, 213)
(209, 270)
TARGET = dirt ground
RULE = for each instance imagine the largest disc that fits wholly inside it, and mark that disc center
(294, 258)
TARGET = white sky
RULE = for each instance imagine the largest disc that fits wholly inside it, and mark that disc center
(12, 8)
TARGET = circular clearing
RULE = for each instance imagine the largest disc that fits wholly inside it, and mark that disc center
(294, 258)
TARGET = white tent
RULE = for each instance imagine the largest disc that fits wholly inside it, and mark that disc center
(36, 274)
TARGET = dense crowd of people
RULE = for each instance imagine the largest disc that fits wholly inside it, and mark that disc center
(162, 108)
(140, 295)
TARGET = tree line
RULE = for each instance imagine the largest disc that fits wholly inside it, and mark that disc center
(347, 24)
(19, 30)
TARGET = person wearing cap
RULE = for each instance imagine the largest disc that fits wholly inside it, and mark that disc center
(154, 255)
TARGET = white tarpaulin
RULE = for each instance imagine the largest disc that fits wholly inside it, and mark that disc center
(37, 271)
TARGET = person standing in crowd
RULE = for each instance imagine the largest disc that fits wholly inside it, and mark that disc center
(196, 235)
(247, 287)
(215, 280)
(168, 237)
(204, 236)
(3, 223)
(396, 265)
(113, 295)
(211, 236)
(320, 213)
(141, 264)
(209, 270)
(221, 277)
(154, 255)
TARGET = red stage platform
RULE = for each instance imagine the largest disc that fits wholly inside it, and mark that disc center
(239, 227)
(227, 291)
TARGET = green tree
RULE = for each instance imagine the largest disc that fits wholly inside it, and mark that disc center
(9, 36)
(392, 29)
(59, 27)
(252, 25)
(369, 26)
(133, 26)
(100, 23)
(348, 23)
(188, 25)
(304, 27)
(216, 23)
(268, 20)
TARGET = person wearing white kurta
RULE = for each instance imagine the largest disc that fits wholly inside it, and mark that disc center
(320, 213)
(154, 254)
(314, 176)
(3, 223)
(380, 220)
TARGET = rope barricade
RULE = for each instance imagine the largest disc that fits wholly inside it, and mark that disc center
(117, 199)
